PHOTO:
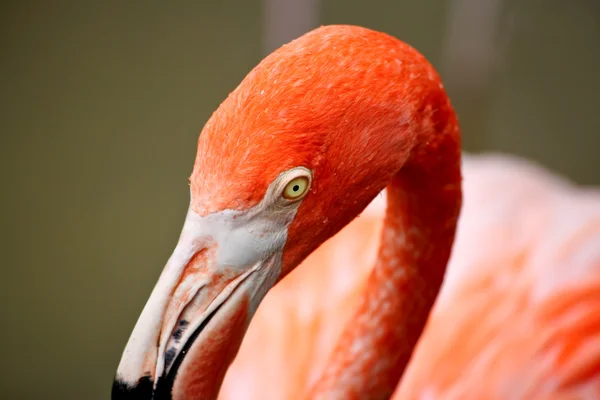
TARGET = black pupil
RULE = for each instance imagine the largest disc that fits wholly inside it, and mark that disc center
(296, 188)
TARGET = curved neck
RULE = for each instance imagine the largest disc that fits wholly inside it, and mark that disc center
(424, 201)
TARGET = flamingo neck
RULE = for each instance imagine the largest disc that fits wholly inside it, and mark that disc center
(424, 201)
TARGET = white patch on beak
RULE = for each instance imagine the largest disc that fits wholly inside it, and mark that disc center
(215, 255)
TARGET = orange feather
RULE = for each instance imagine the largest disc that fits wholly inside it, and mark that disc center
(518, 316)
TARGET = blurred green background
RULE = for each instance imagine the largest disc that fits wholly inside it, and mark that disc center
(102, 103)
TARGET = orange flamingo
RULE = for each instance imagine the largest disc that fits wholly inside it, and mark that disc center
(293, 155)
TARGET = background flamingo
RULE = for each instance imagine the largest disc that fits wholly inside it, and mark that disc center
(405, 129)
(518, 316)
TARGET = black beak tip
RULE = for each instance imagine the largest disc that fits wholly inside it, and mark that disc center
(142, 390)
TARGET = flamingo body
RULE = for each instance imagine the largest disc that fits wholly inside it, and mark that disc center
(518, 316)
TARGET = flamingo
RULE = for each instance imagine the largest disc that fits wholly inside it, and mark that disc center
(295, 153)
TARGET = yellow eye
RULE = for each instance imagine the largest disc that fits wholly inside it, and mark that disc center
(296, 188)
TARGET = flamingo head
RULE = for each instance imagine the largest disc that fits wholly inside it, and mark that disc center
(294, 153)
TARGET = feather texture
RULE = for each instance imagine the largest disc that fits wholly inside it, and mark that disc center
(518, 316)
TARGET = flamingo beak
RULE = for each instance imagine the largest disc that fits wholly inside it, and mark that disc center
(195, 319)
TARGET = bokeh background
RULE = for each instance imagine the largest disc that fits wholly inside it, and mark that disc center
(102, 103)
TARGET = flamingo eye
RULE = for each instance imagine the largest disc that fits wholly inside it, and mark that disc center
(296, 188)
